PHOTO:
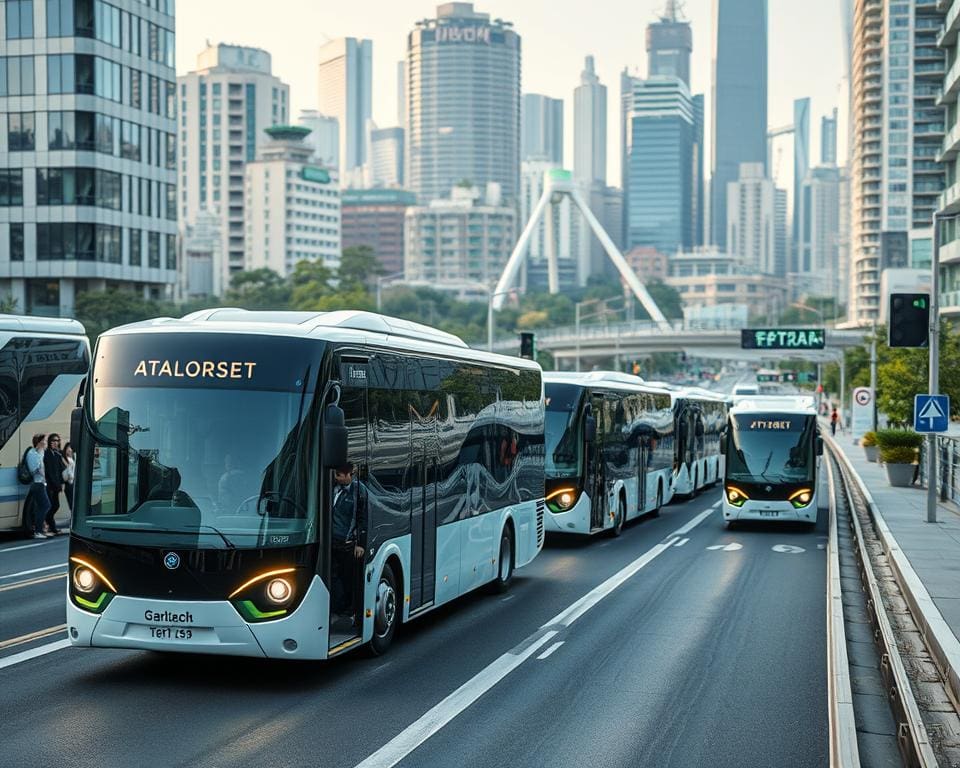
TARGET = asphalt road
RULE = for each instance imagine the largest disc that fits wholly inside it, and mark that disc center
(702, 647)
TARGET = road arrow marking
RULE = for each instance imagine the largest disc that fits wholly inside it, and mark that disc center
(731, 547)
(788, 549)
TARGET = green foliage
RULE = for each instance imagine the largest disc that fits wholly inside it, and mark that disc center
(359, 267)
(898, 438)
(898, 454)
(259, 289)
(869, 439)
(9, 305)
(667, 298)
(101, 310)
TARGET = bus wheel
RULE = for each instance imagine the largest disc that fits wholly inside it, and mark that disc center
(656, 509)
(386, 612)
(621, 517)
(505, 561)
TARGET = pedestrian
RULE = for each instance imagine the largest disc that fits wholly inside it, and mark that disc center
(37, 495)
(69, 473)
(834, 419)
(53, 465)
(348, 534)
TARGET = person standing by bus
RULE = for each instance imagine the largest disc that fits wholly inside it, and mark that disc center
(37, 495)
(69, 472)
(348, 536)
(834, 418)
(53, 465)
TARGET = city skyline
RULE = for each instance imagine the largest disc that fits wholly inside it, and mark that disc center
(552, 60)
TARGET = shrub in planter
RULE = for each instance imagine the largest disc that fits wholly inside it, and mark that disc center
(869, 439)
(898, 454)
(898, 438)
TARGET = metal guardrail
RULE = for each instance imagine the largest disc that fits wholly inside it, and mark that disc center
(948, 467)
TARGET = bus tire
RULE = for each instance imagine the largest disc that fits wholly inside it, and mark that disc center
(659, 506)
(386, 612)
(621, 517)
(505, 561)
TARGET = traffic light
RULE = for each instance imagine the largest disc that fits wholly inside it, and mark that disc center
(528, 346)
(909, 320)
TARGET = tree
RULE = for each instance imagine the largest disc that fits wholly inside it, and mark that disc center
(101, 310)
(8, 305)
(310, 285)
(359, 267)
(259, 289)
(667, 298)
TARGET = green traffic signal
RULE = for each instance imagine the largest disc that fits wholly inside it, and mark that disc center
(920, 303)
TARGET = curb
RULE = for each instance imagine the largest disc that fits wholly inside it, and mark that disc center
(936, 633)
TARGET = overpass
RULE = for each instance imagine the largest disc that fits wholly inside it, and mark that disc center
(596, 343)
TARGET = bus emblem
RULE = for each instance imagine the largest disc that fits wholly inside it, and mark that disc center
(172, 561)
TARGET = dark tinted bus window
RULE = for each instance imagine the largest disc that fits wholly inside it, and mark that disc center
(43, 361)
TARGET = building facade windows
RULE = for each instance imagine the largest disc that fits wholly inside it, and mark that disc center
(79, 186)
(11, 187)
(20, 132)
(19, 19)
(16, 242)
(17, 76)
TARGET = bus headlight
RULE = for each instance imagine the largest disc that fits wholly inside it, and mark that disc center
(562, 499)
(801, 498)
(268, 595)
(736, 497)
(90, 589)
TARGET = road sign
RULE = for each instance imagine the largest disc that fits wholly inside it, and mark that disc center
(782, 338)
(861, 414)
(931, 413)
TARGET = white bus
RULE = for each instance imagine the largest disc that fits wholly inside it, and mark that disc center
(206, 481)
(609, 451)
(772, 448)
(42, 363)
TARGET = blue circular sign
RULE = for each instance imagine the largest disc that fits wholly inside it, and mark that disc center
(172, 560)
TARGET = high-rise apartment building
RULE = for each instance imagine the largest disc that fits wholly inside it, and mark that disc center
(541, 128)
(464, 239)
(346, 93)
(828, 139)
(590, 127)
(898, 120)
(801, 166)
(376, 218)
(751, 219)
(660, 166)
(817, 268)
(949, 201)
(225, 106)
(385, 157)
(324, 136)
(292, 210)
(463, 103)
(669, 45)
(739, 99)
(88, 151)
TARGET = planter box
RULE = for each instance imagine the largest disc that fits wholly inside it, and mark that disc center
(873, 453)
(900, 475)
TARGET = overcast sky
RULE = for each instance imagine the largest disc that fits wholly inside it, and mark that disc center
(804, 47)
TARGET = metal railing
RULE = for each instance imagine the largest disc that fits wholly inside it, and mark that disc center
(948, 467)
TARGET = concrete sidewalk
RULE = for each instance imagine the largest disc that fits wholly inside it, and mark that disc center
(926, 555)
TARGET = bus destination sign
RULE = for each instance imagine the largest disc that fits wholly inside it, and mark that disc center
(782, 338)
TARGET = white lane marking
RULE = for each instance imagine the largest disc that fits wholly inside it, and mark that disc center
(437, 717)
(41, 650)
(821, 546)
(28, 546)
(33, 570)
(731, 547)
(508, 597)
(434, 719)
(788, 549)
(693, 523)
(681, 542)
(550, 650)
(717, 504)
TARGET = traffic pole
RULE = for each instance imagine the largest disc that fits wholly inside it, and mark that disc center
(934, 383)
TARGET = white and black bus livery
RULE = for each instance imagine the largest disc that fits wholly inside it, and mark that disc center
(772, 448)
(42, 363)
(211, 452)
(609, 450)
(699, 417)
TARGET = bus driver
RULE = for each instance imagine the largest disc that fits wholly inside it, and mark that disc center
(348, 534)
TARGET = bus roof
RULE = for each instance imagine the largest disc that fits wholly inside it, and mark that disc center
(351, 326)
(616, 380)
(800, 404)
(59, 326)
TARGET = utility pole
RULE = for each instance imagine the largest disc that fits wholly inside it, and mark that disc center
(934, 383)
(873, 375)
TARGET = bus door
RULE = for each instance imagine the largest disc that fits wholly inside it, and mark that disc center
(596, 466)
(643, 464)
(423, 508)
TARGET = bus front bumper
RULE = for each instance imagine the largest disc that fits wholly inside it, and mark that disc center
(770, 510)
(212, 626)
(574, 520)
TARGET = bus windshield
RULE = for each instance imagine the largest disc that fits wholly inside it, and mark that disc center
(210, 468)
(771, 448)
(562, 431)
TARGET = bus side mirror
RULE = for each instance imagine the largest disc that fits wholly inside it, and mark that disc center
(76, 429)
(590, 429)
(334, 446)
(819, 446)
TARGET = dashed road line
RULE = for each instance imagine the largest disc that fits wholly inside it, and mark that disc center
(547, 653)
